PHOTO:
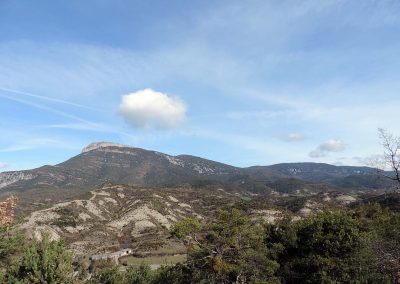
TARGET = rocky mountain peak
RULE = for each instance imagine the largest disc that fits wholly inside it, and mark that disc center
(99, 145)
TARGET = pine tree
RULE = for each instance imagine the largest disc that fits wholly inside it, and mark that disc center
(46, 262)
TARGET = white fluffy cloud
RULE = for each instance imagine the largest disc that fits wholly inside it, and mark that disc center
(332, 145)
(148, 108)
(293, 137)
(4, 165)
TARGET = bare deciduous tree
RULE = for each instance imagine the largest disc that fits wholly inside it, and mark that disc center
(391, 156)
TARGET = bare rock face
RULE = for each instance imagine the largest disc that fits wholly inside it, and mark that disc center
(100, 145)
(9, 178)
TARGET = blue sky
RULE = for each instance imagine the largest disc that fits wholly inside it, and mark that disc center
(241, 82)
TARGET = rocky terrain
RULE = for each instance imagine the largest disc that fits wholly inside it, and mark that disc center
(120, 216)
(117, 216)
(113, 217)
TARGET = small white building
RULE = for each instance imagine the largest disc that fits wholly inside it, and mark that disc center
(111, 255)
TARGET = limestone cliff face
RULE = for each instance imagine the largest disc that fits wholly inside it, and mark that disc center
(9, 178)
(101, 146)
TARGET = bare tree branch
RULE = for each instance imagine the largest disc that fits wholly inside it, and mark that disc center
(391, 155)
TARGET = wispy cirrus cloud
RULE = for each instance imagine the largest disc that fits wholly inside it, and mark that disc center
(293, 137)
(39, 143)
(50, 99)
(46, 108)
(75, 126)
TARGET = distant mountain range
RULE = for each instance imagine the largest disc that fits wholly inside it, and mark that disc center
(108, 162)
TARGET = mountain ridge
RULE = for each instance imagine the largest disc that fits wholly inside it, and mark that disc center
(105, 161)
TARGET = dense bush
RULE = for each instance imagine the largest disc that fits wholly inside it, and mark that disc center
(44, 261)
(230, 249)
(327, 248)
(107, 273)
(11, 245)
(358, 246)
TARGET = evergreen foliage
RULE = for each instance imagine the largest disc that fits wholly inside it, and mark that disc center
(330, 247)
(357, 246)
(11, 245)
(44, 261)
(107, 273)
(141, 275)
(229, 250)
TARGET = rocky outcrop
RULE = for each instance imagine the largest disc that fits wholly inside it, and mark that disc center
(9, 178)
(101, 145)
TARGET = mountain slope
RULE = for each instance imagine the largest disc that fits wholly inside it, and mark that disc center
(340, 176)
(102, 162)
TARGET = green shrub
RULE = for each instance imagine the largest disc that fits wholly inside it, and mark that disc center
(44, 261)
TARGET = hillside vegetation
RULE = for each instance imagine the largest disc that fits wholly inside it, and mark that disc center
(339, 246)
